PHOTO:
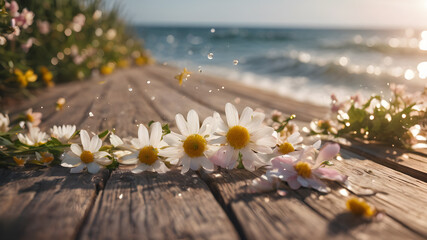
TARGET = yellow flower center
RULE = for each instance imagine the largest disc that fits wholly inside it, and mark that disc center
(323, 124)
(286, 148)
(195, 145)
(30, 118)
(238, 137)
(86, 157)
(148, 155)
(303, 169)
(359, 207)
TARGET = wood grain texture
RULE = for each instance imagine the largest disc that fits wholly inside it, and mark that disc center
(157, 206)
(409, 162)
(45, 204)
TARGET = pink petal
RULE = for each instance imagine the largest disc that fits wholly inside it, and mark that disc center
(222, 157)
(327, 152)
(330, 174)
(293, 183)
(318, 185)
(262, 184)
(281, 162)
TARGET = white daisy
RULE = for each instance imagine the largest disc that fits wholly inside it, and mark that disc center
(4, 123)
(89, 157)
(244, 136)
(146, 149)
(34, 137)
(193, 146)
(288, 145)
(63, 133)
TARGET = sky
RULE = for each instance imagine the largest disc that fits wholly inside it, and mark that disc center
(277, 13)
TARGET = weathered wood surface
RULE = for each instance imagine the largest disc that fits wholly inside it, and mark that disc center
(48, 203)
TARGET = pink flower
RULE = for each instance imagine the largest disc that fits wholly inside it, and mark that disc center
(43, 26)
(307, 171)
(33, 117)
(27, 45)
(25, 19)
(13, 8)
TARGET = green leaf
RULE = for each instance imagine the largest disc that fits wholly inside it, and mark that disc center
(103, 134)
(327, 163)
(151, 122)
(166, 129)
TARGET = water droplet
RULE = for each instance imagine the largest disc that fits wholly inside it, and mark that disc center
(41, 107)
(97, 98)
(90, 114)
(235, 61)
(210, 90)
(212, 30)
(148, 82)
(266, 199)
(217, 175)
(343, 192)
(281, 192)
(153, 98)
(210, 56)
(200, 68)
(237, 100)
(130, 89)
(222, 87)
(121, 196)
(179, 194)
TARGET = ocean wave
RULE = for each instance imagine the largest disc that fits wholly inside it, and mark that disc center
(253, 35)
(322, 71)
(382, 47)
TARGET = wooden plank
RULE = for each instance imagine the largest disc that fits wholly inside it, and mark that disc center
(267, 215)
(165, 99)
(402, 197)
(48, 203)
(409, 162)
(149, 205)
(157, 206)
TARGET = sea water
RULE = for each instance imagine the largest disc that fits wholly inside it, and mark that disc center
(304, 64)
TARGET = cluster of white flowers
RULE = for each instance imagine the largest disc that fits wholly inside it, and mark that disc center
(241, 141)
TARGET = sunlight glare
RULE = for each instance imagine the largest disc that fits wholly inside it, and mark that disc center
(422, 70)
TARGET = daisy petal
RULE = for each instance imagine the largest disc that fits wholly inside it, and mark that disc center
(139, 169)
(193, 122)
(246, 116)
(293, 183)
(143, 135)
(84, 136)
(93, 168)
(76, 149)
(195, 163)
(185, 164)
(302, 181)
(207, 165)
(78, 169)
(318, 185)
(115, 140)
(181, 124)
(329, 174)
(327, 152)
(220, 123)
(156, 134)
(231, 114)
(95, 144)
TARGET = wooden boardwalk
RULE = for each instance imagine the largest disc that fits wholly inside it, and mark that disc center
(51, 203)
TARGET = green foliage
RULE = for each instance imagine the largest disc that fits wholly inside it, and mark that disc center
(70, 39)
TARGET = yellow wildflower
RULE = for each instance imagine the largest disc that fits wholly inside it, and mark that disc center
(19, 161)
(359, 207)
(60, 104)
(183, 75)
(123, 63)
(141, 60)
(107, 69)
(24, 79)
(47, 76)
